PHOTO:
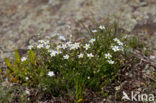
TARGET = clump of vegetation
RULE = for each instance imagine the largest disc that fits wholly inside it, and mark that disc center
(10, 93)
(71, 68)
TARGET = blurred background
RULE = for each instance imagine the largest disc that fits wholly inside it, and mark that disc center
(22, 20)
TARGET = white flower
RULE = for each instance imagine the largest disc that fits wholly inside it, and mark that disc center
(66, 56)
(77, 45)
(94, 31)
(92, 40)
(58, 47)
(64, 46)
(108, 56)
(73, 46)
(88, 77)
(41, 41)
(115, 48)
(26, 78)
(80, 55)
(90, 55)
(101, 27)
(117, 88)
(110, 61)
(23, 59)
(118, 41)
(62, 38)
(68, 43)
(51, 73)
(47, 46)
(58, 52)
(30, 47)
(40, 46)
(27, 92)
(87, 46)
(53, 53)
(46, 42)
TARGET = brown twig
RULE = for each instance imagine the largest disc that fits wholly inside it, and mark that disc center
(144, 59)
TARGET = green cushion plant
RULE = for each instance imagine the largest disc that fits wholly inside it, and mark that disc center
(69, 67)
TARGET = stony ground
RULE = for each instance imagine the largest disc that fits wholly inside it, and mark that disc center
(22, 20)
